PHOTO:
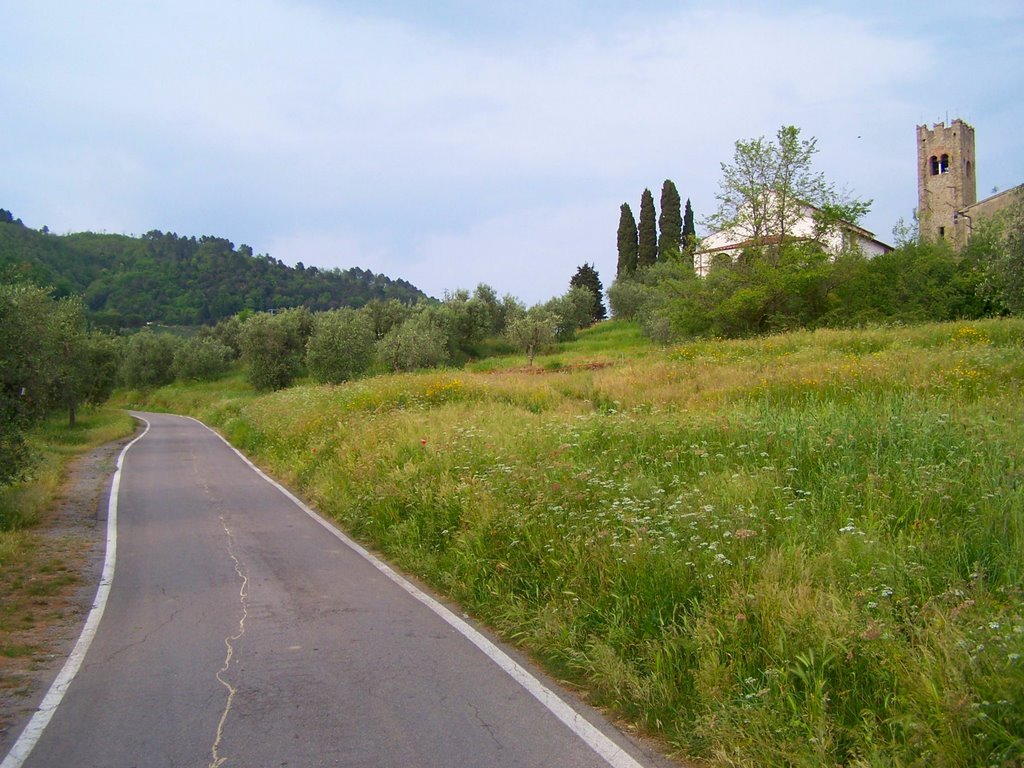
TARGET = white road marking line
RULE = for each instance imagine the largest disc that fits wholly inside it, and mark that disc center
(611, 752)
(34, 730)
(243, 594)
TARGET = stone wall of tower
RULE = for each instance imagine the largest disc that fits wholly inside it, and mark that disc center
(946, 182)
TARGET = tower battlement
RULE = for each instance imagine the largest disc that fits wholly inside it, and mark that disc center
(946, 183)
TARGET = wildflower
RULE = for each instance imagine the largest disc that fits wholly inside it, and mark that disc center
(741, 617)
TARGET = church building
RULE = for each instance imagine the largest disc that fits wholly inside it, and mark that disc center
(947, 191)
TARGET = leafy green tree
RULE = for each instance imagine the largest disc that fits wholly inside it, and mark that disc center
(25, 373)
(586, 277)
(1001, 245)
(531, 331)
(84, 363)
(274, 347)
(573, 310)
(419, 342)
(628, 243)
(670, 222)
(647, 232)
(228, 332)
(148, 360)
(385, 315)
(341, 347)
(765, 190)
(201, 359)
(626, 297)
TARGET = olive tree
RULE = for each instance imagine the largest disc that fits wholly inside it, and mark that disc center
(341, 346)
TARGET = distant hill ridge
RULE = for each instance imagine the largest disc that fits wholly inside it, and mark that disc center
(163, 278)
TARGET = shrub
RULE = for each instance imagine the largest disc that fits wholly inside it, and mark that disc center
(201, 359)
(274, 347)
(341, 346)
(148, 360)
(417, 343)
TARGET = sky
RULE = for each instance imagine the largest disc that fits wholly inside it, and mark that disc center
(458, 142)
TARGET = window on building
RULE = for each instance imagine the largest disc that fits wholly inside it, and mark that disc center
(935, 165)
(942, 233)
(944, 164)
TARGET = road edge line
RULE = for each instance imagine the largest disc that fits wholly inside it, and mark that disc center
(575, 721)
(33, 731)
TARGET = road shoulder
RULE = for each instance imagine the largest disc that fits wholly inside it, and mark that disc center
(51, 591)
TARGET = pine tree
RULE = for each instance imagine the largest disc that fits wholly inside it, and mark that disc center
(647, 233)
(627, 242)
(670, 223)
(587, 277)
(689, 234)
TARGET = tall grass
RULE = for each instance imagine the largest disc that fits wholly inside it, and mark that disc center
(798, 550)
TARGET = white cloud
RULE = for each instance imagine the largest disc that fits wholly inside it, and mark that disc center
(316, 132)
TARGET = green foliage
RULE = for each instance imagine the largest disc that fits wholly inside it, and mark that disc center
(999, 245)
(627, 243)
(764, 191)
(148, 360)
(229, 333)
(626, 298)
(689, 239)
(798, 285)
(533, 330)
(274, 347)
(201, 359)
(419, 342)
(647, 232)
(670, 222)
(573, 310)
(341, 347)
(385, 315)
(587, 277)
(48, 360)
(163, 278)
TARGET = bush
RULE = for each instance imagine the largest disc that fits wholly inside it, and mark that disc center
(531, 331)
(341, 346)
(274, 347)
(148, 360)
(626, 297)
(201, 359)
(417, 343)
(573, 311)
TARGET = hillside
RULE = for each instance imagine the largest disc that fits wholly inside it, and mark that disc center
(165, 278)
(803, 549)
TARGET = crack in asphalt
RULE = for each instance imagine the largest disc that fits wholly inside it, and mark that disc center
(216, 759)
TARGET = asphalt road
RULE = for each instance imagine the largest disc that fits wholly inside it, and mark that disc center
(242, 631)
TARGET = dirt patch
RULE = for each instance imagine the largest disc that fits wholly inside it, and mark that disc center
(48, 593)
(538, 370)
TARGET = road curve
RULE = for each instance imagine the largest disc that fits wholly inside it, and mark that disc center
(242, 630)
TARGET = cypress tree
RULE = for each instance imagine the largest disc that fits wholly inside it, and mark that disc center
(627, 241)
(587, 277)
(670, 223)
(647, 233)
(689, 234)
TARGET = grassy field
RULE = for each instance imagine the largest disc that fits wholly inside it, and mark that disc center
(800, 550)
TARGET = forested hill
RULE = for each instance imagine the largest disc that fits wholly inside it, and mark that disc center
(163, 278)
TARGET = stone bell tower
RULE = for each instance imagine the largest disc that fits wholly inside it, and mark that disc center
(946, 183)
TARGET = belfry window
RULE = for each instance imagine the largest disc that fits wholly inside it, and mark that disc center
(935, 165)
(944, 164)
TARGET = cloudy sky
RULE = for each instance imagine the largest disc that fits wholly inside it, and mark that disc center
(455, 142)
